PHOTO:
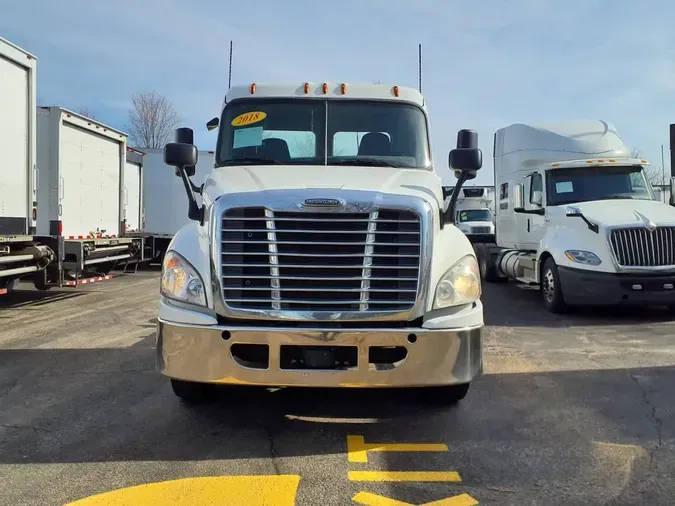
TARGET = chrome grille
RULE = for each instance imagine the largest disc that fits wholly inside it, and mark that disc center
(320, 261)
(638, 247)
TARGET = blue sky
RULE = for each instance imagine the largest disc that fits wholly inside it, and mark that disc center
(485, 64)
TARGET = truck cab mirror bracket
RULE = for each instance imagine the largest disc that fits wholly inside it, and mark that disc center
(465, 160)
(575, 212)
(184, 155)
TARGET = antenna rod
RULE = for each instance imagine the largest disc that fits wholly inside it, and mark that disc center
(229, 79)
(419, 65)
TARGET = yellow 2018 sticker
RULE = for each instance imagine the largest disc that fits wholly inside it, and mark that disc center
(249, 118)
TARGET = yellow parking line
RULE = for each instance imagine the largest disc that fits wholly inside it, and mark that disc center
(357, 448)
(446, 476)
(368, 499)
(261, 490)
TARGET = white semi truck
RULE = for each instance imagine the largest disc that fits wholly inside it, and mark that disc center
(576, 215)
(22, 253)
(316, 262)
(162, 218)
(474, 213)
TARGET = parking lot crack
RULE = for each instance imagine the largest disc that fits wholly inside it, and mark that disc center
(653, 416)
(273, 454)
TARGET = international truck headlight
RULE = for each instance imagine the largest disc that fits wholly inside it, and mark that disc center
(459, 285)
(583, 257)
(181, 281)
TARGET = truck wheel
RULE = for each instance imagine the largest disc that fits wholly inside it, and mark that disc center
(191, 392)
(551, 290)
(444, 396)
(488, 270)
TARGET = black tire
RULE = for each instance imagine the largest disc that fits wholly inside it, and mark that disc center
(191, 392)
(551, 289)
(444, 396)
(487, 268)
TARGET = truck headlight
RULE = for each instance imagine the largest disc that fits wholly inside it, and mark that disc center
(181, 281)
(583, 257)
(459, 285)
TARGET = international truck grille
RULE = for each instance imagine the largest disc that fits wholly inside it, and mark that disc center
(320, 261)
(638, 247)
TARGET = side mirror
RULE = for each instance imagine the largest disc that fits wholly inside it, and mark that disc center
(180, 155)
(672, 187)
(212, 124)
(518, 198)
(466, 157)
(537, 198)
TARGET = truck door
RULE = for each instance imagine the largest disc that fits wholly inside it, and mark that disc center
(534, 200)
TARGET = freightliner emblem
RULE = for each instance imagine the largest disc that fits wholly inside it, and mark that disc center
(321, 203)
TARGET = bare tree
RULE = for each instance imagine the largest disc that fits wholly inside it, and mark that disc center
(86, 112)
(654, 174)
(152, 120)
(635, 153)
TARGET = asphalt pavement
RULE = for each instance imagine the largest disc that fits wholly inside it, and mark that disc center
(572, 409)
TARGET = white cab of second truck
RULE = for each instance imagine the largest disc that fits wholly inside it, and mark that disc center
(81, 169)
(475, 213)
(576, 215)
(321, 255)
(163, 214)
(21, 253)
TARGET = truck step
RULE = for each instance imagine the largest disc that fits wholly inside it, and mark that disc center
(88, 281)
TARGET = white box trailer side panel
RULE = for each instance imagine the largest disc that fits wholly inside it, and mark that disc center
(132, 192)
(165, 202)
(17, 139)
(85, 160)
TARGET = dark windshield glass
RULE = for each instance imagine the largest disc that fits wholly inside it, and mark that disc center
(475, 215)
(310, 131)
(567, 186)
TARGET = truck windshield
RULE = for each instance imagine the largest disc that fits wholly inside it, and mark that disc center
(323, 132)
(584, 184)
(474, 215)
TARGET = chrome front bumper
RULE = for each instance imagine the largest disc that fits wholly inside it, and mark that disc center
(436, 357)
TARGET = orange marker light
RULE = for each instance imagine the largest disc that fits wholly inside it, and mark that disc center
(601, 161)
(253, 88)
(589, 161)
(343, 88)
(555, 164)
(396, 91)
(306, 88)
(325, 88)
(644, 161)
(612, 160)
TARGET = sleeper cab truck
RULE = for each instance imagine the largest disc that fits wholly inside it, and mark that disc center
(577, 216)
(320, 255)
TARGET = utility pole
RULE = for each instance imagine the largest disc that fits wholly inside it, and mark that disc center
(229, 79)
(419, 65)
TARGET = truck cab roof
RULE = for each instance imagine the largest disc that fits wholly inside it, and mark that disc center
(326, 90)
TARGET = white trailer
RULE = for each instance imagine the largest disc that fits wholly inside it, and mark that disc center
(81, 169)
(162, 218)
(21, 252)
(576, 215)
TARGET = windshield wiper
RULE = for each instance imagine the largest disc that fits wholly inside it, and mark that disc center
(365, 162)
(621, 197)
(251, 161)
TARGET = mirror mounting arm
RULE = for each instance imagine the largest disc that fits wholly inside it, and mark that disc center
(195, 211)
(541, 211)
(455, 195)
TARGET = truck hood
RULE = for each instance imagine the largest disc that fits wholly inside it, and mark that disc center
(414, 182)
(610, 213)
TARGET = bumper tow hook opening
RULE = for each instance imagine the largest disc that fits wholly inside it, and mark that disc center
(412, 338)
(226, 335)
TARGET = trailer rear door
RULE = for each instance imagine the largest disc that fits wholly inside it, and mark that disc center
(15, 174)
(132, 196)
(90, 182)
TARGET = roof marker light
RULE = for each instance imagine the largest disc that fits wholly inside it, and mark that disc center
(306, 88)
(396, 91)
(590, 161)
(343, 88)
(644, 161)
(611, 160)
(601, 161)
(253, 86)
(325, 88)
